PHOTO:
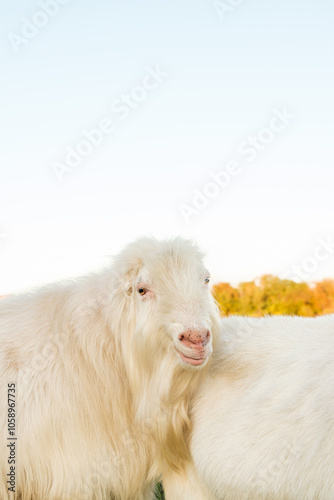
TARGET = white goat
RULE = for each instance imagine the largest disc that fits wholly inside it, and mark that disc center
(264, 416)
(104, 368)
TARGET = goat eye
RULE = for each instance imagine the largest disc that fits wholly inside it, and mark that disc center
(142, 291)
(207, 280)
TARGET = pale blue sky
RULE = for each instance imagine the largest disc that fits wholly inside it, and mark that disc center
(226, 76)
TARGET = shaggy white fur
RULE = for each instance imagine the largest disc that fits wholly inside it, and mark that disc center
(104, 369)
(264, 417)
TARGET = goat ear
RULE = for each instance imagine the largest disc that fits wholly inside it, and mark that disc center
(128, 287)
(129, 281)
(127, 275)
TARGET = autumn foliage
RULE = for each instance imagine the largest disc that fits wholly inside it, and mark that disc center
(272, 295)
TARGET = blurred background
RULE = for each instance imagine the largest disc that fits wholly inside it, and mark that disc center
(207, 119)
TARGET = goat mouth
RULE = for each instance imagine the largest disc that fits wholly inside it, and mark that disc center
(191, 361)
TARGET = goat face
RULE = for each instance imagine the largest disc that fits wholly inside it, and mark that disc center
(174, 308)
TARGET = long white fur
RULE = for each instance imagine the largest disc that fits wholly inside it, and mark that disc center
(102, 397)
(264, 417)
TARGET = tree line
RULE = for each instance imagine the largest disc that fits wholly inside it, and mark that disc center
(270, 295)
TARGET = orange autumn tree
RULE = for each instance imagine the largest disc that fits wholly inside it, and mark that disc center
(271, 295)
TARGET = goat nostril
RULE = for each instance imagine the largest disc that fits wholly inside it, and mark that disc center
(207, 337)
(181, 337)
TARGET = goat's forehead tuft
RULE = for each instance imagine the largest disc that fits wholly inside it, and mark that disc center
(177, 253)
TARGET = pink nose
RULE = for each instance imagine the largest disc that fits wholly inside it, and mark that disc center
(195, 338)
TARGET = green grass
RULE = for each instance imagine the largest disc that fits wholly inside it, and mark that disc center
(159, 492)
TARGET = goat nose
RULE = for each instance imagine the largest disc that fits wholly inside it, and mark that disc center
(190, 338)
